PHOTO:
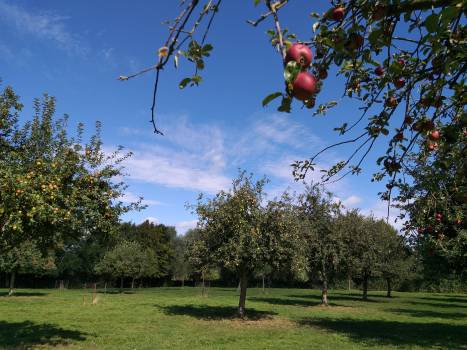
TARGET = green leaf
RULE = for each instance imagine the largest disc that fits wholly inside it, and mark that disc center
(285, 105)
(206, 49)
(291, 70)
(431, 23)
(256, 2)
(184, 83)
(374, 37)
(200, 64)
(271, 97)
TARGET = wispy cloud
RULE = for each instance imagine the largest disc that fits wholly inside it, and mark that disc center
(190, 157)
(351, 201)
(130, 197)
(380, 210)
(183, 226)
(45, 26)
(270, 134)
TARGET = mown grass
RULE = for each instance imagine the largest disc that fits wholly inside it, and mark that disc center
(174, 318)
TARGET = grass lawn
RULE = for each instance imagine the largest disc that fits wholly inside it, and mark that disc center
(174, 318)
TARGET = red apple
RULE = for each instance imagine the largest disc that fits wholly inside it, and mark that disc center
(401, 61)
(378, 13)
(322, 74)
(399, 136)
(391, 102)
(438, 217)
(434, 135)
(458, 222)
(355, 41)
(425, 102)
(299, 53)
(304, 86)
(438, 101)
(399, 83)
(338, 13)
(408, 120)
(432, 146)
(379, 71)
(428, 125)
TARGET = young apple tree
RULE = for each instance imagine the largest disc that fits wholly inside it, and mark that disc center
(26, 258)
(128, 259)
(318, 212)
(240, 233)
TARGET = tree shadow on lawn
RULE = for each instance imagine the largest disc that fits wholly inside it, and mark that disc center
(24, 335)
(113, 292)
(437, 305)
(339, 297)
(430, 314)
(207, 312)
(446, 300)
(379, 332)
(285, 302)
(23, 294)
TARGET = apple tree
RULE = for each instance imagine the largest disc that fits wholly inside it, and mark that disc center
(317, 212)
(26, 258)
(54, 188)
(240, 233)
(403, 62)
(128, 259)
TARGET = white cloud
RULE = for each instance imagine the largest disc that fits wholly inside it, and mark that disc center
(130, 197)
(190, 157)
(380, 211)
(44, 26)
(183, 226)
(269, 135)
(351, 201)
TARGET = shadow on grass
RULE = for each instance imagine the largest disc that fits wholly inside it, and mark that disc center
(25, 335)
(379, 332)
(446, 300)
(114, 292)
(430, 314)
(437, 305)
(23, 294)
(340, 297)
(207, 312)
(286, 302)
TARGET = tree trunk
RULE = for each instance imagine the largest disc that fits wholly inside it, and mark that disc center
(324, 293)
(388, 281)
(105, 287)
(133, 283)
(349, 281)
(263, 284)
(242, 299)
(12, 283)
(203, 291)
(121, 284)
(183, 283)
(365, 288)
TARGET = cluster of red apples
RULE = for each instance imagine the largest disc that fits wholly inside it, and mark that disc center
(305, 84)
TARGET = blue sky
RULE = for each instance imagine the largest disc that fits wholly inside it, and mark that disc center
(75, 50)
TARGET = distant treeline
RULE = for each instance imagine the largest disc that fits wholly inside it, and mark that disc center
(77, 266)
